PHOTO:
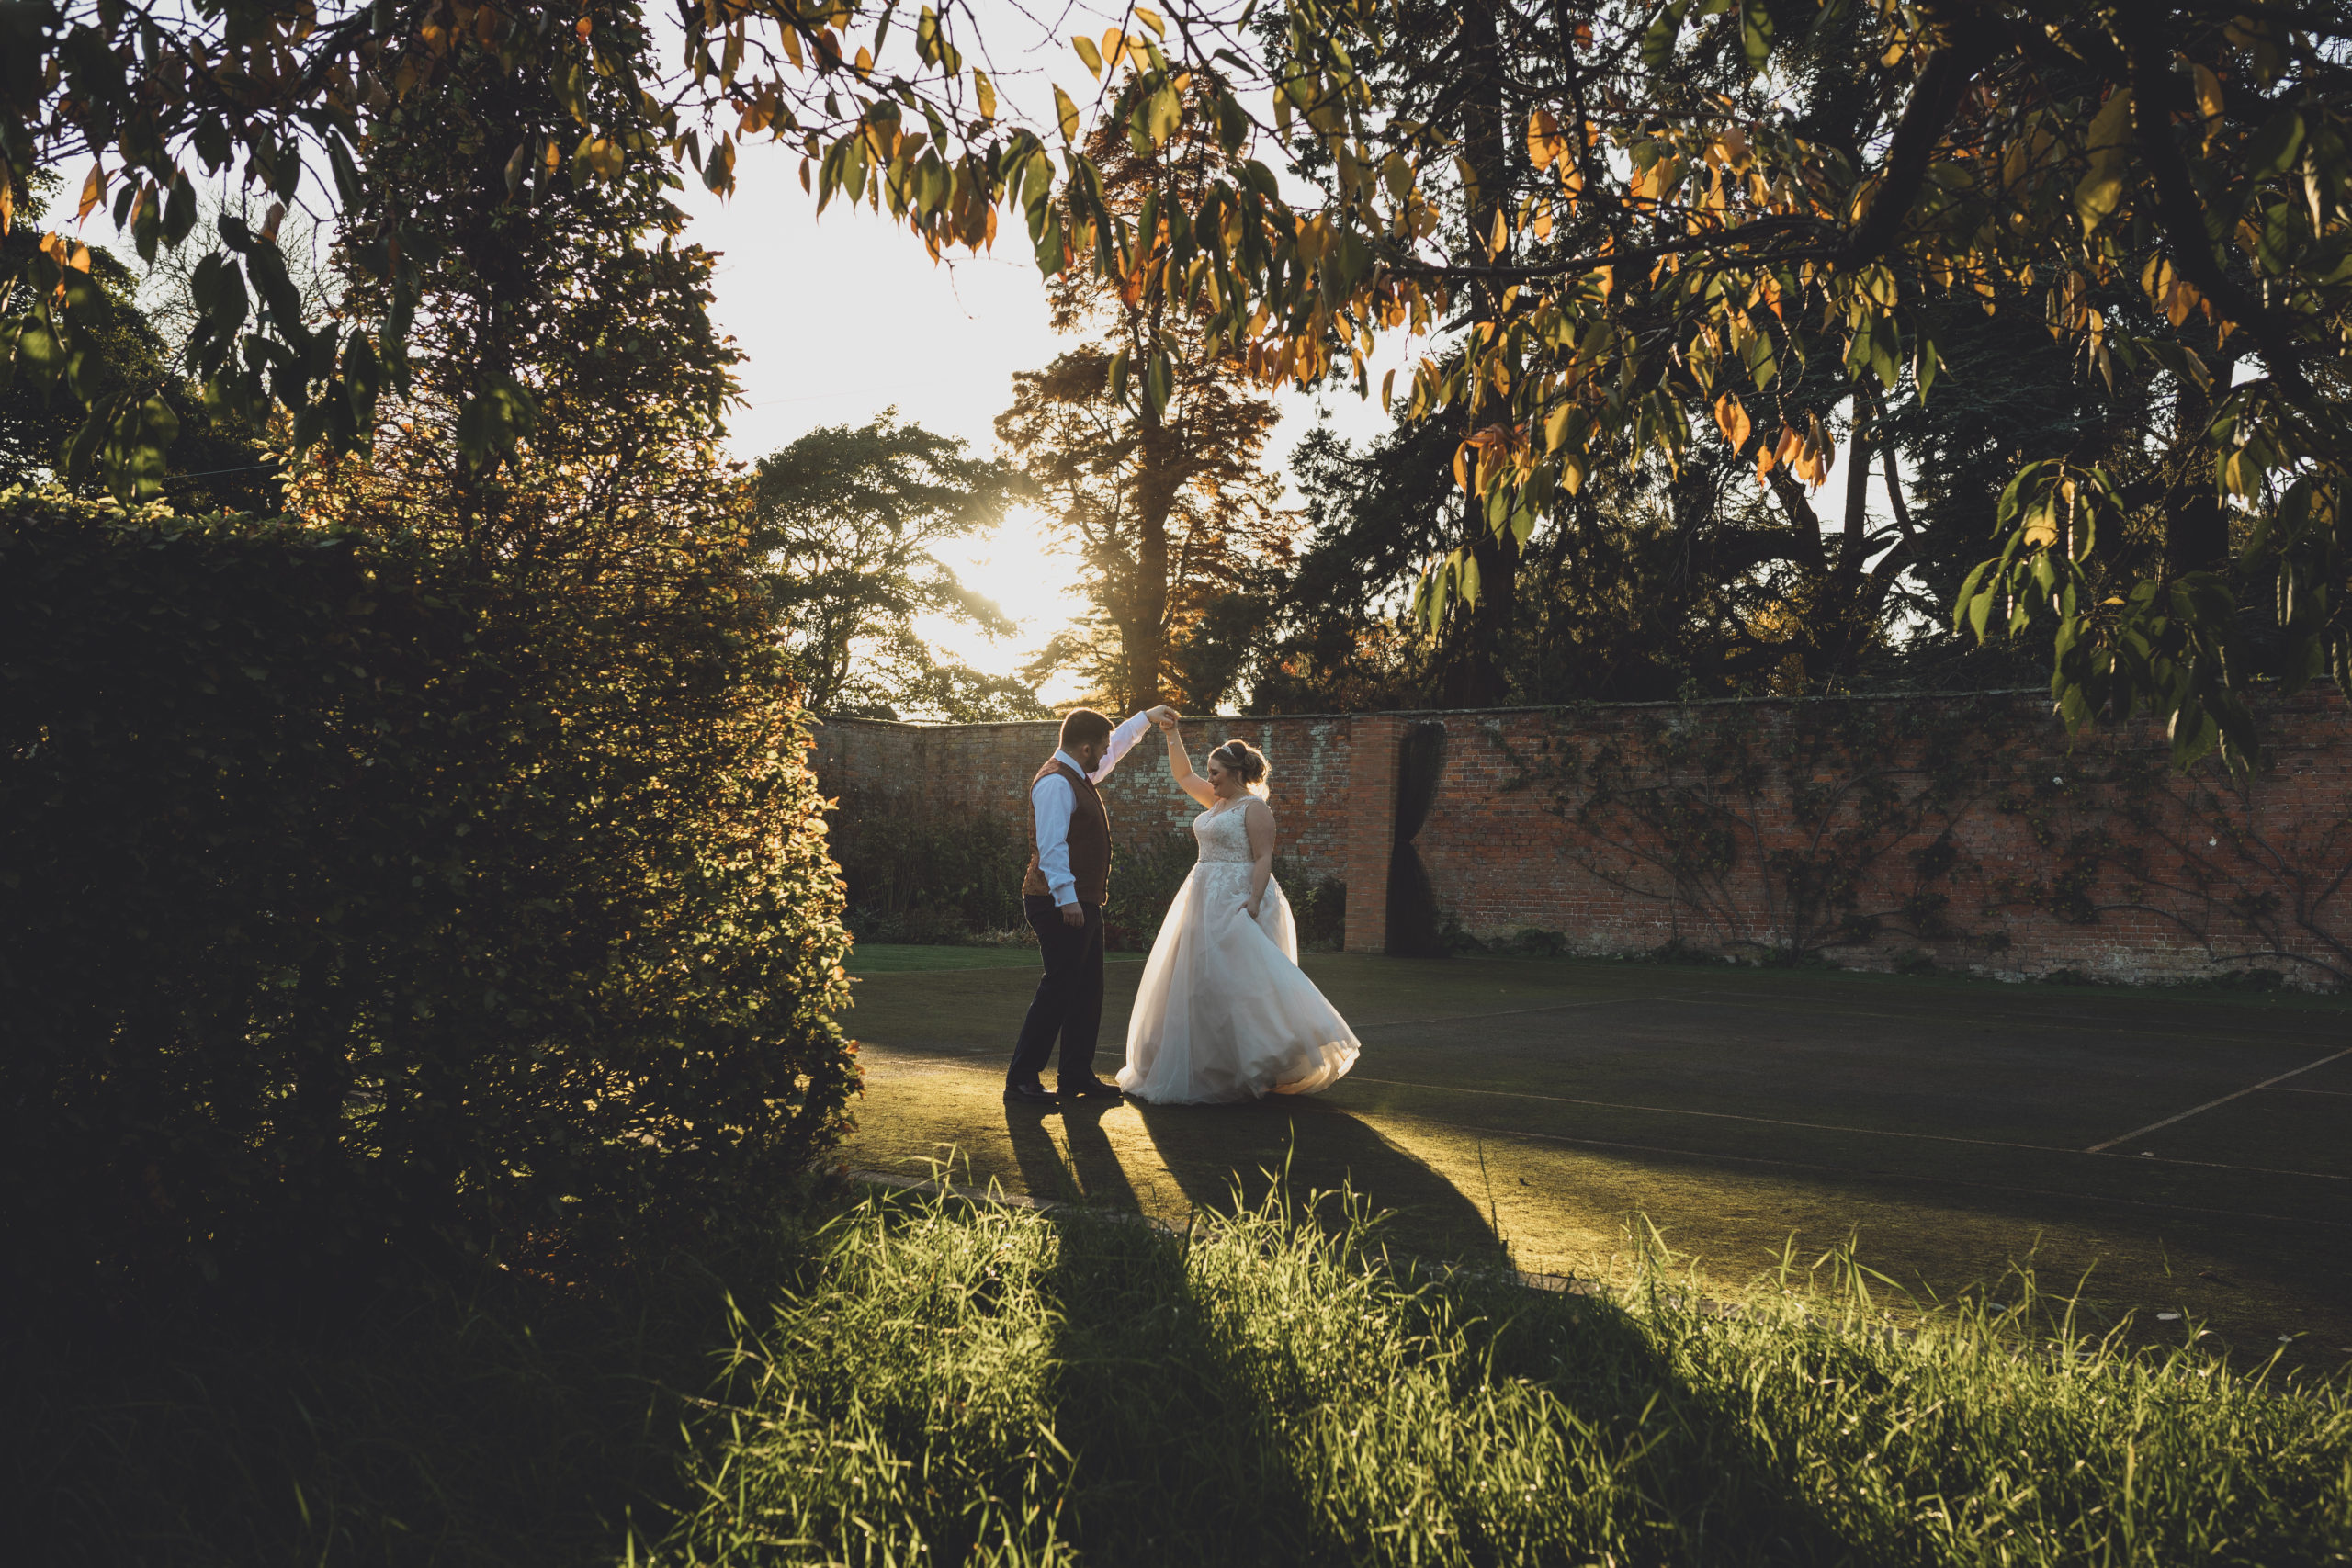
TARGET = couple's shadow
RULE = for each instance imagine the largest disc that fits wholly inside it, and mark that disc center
(1223, 1156)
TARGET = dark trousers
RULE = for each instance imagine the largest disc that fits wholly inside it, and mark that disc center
(1068, 1003)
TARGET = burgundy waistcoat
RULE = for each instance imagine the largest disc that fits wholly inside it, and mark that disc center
(1089, 840)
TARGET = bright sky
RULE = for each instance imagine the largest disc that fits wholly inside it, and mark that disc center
(846, 316)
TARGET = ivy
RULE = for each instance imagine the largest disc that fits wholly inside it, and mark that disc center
(1784, 833)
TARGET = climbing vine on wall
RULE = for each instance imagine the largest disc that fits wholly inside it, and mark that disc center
(1795, 832)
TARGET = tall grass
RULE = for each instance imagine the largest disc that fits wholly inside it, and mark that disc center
(997, 1386)
(924, 1382)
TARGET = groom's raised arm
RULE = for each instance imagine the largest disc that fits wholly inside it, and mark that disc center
(1122, 742)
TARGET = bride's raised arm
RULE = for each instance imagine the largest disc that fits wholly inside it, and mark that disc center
(1179, 763)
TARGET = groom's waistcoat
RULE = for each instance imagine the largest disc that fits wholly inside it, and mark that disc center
(1089, 840)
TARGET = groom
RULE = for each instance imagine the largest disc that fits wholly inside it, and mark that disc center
(1068, 883)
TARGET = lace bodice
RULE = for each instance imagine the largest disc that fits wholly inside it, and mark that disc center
(1223, 835)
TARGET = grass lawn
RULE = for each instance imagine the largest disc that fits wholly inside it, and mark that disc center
(1951, 1129)
(1009, 1387)
(902, 1379)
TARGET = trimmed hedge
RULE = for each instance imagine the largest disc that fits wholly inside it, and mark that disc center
(357, 907)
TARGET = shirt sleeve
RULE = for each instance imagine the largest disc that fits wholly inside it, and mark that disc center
(1122, 740)
(1050, 804)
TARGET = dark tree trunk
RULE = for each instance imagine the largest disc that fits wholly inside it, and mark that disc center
(1145, 632)
(1476, 677)
(2197, 528)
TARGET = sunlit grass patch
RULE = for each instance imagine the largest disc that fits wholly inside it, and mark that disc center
(987, 1385)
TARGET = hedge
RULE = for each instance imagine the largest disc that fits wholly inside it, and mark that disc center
(359, 907)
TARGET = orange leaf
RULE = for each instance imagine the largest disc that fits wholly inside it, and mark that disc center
(1545, 142)
(94, 191)
(1733, 418)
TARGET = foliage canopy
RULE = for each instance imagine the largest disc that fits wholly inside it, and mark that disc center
(1706, 220)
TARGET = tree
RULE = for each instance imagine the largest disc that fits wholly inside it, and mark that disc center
(849, 521)
(568, 389)
(1693, 240)
(293, 98)
(1147, 442)
(1742, 212)
(1170, 513)
(213, 460)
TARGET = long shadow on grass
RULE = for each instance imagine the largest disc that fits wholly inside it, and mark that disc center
(1220, 1152)
(1660, 1470)
(1089, 1173)
(1175, 1461)
(1279, 1416)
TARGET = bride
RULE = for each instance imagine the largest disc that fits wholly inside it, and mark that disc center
(1223, 1013)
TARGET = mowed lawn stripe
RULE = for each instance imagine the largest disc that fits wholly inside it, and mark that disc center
(1847, 1173)
(1836, 1127)
(1936, 1076)
(1857, 1158)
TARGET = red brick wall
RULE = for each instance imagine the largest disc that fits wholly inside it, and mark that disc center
(1879, 833)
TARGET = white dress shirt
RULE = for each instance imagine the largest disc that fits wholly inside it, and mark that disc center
(1051, 801)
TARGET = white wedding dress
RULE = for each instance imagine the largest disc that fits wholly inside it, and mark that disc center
(1223, 1013)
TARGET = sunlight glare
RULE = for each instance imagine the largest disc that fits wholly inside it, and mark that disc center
(1031, 580)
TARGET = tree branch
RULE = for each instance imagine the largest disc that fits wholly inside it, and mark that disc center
(1971, 40)
(2183, 214)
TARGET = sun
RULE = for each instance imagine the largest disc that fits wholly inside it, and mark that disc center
(1030, 578)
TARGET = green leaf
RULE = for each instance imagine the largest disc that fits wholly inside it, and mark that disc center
(1657, 42)
(1980, 610)
(1232, 122)
(2272, 150)
(1756, 34)
(1158, 384)
(1164, 116)
(499, 416)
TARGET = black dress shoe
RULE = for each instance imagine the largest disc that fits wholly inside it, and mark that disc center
(1090, 1088)
(1031, 1094)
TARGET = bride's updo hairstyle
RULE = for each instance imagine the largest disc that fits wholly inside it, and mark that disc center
(1240, 756)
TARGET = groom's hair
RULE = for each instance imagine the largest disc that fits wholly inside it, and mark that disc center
(1084, 726)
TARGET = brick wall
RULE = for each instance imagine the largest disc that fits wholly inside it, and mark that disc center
(1964, 832)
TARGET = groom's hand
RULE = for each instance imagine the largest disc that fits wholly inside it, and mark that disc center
(1073, 915)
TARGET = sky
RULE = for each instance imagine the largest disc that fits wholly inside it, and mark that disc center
(846, 316)
(843, 317)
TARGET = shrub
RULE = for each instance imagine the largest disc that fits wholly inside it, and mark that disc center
(954, 880)
(1321, 910)
(356, 903)
(1144, 880)
(929, 881)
